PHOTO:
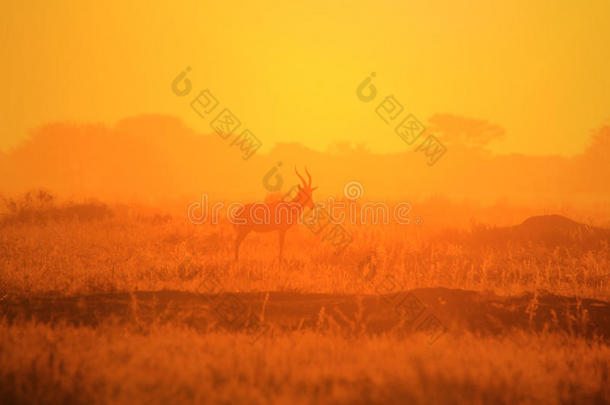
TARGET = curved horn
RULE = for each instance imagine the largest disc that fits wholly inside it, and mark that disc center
(309, 176)
(300, 177)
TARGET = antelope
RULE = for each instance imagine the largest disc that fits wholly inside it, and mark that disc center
(278, 214)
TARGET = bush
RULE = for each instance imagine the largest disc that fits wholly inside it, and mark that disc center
(41, 206)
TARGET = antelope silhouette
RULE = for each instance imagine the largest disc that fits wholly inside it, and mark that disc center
(277, 216)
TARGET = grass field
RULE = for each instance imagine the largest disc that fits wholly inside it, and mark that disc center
(173, 364)
(139, 308)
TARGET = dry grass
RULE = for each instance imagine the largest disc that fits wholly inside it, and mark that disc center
(170, 363)
(128, 253)
(64, 364)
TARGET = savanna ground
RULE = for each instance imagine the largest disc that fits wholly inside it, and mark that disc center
(115, 305)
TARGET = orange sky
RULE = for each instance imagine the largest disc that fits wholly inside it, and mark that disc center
(289, 70)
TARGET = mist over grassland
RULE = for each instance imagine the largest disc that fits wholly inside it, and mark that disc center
(157, 160)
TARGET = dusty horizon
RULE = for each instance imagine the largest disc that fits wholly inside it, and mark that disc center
(165, 156)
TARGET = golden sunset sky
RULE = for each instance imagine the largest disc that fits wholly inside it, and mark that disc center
(289, 70)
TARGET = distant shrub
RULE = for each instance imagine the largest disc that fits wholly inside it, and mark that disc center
(41, 206)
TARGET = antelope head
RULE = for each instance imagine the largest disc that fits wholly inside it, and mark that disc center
(304, 195)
